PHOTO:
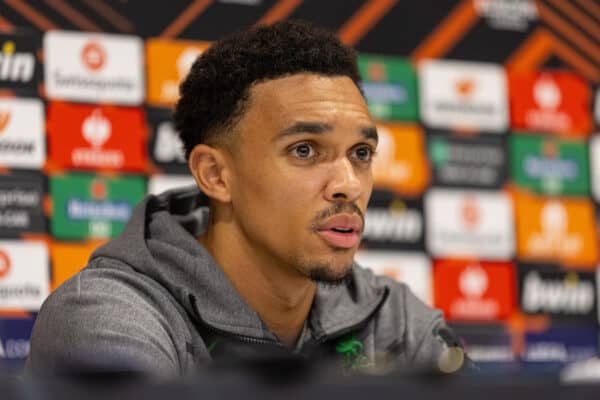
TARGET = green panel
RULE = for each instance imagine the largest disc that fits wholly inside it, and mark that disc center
(390, 86)
(549, 165)
(92, 206)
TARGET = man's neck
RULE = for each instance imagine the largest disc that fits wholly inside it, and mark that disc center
(281, 297)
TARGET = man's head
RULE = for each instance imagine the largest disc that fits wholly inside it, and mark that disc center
(278, 135)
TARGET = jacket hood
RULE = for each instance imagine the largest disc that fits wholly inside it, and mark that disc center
(160, 241)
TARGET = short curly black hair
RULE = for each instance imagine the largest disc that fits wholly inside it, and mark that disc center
(216, 90)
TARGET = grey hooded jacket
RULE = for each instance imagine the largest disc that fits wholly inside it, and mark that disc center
(154, 300)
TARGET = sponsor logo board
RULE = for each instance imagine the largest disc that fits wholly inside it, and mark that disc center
(556, 230)
(96, 68)
(24, 275)
(165, 147)
(15, 336)
(467, 162)
(19, 69)
(393, 223)
(390, 87)
(570, 294)
(92, 206)
(490, 346)
(161, 183)
(22, 141)
(594, 154)
(597, 106)
(463, 95)
(69, 258)
(558, 346)
(550, 165)
(508, 15)
(557, 102)
(401, 161)
(412, 268)
(469, 224)
(168, 63)
(21, 203)
(97, 137)
(474, 290)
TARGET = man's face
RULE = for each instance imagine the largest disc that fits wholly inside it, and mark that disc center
(302, 174)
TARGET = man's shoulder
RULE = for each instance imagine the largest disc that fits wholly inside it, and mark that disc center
(109, 313)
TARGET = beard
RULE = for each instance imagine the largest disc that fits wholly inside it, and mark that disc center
(325, 272)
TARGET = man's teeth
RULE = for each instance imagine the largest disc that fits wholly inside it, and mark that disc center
(342, 230)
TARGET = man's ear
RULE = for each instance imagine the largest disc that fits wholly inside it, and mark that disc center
(210, 169)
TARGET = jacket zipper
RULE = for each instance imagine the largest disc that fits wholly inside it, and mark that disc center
(219, 332)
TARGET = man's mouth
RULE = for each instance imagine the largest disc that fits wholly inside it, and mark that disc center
(341, 231)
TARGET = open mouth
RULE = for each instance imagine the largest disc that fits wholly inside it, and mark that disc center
(341, 231)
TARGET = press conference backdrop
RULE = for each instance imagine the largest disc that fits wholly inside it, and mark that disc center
(487, 180)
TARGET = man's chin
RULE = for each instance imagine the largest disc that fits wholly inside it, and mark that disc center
(331, 276)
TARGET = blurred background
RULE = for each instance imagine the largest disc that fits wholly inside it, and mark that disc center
(487, 177)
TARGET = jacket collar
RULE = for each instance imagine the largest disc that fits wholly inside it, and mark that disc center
(160, 241)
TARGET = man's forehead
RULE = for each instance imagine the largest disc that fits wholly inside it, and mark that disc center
(311, 93)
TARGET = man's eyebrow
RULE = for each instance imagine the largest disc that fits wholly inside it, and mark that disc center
(304, 127)
(370, 133)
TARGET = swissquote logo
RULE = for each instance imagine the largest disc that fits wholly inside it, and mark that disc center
(396, 223)
(96, 130)
(463, 95)
(566, 293)
(22, 142)
(24, 277)
(470, 212)
(93, 56)
(93, 67)
(469, 224)
(15, 67)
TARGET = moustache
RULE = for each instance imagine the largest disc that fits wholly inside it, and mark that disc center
(337, 208)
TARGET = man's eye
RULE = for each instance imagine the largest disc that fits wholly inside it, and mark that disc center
(303, 151)
(363, 153)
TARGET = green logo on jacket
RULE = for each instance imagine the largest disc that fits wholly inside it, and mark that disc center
(353, 354)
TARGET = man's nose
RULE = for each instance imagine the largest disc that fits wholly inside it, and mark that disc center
(343, 182)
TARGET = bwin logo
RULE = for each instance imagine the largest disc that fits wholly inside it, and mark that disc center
(567, 296)
(383, 225)
(15, 67)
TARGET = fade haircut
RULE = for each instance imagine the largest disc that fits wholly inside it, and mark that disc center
(215, 93)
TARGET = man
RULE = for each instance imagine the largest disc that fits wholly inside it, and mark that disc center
(279, 138)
